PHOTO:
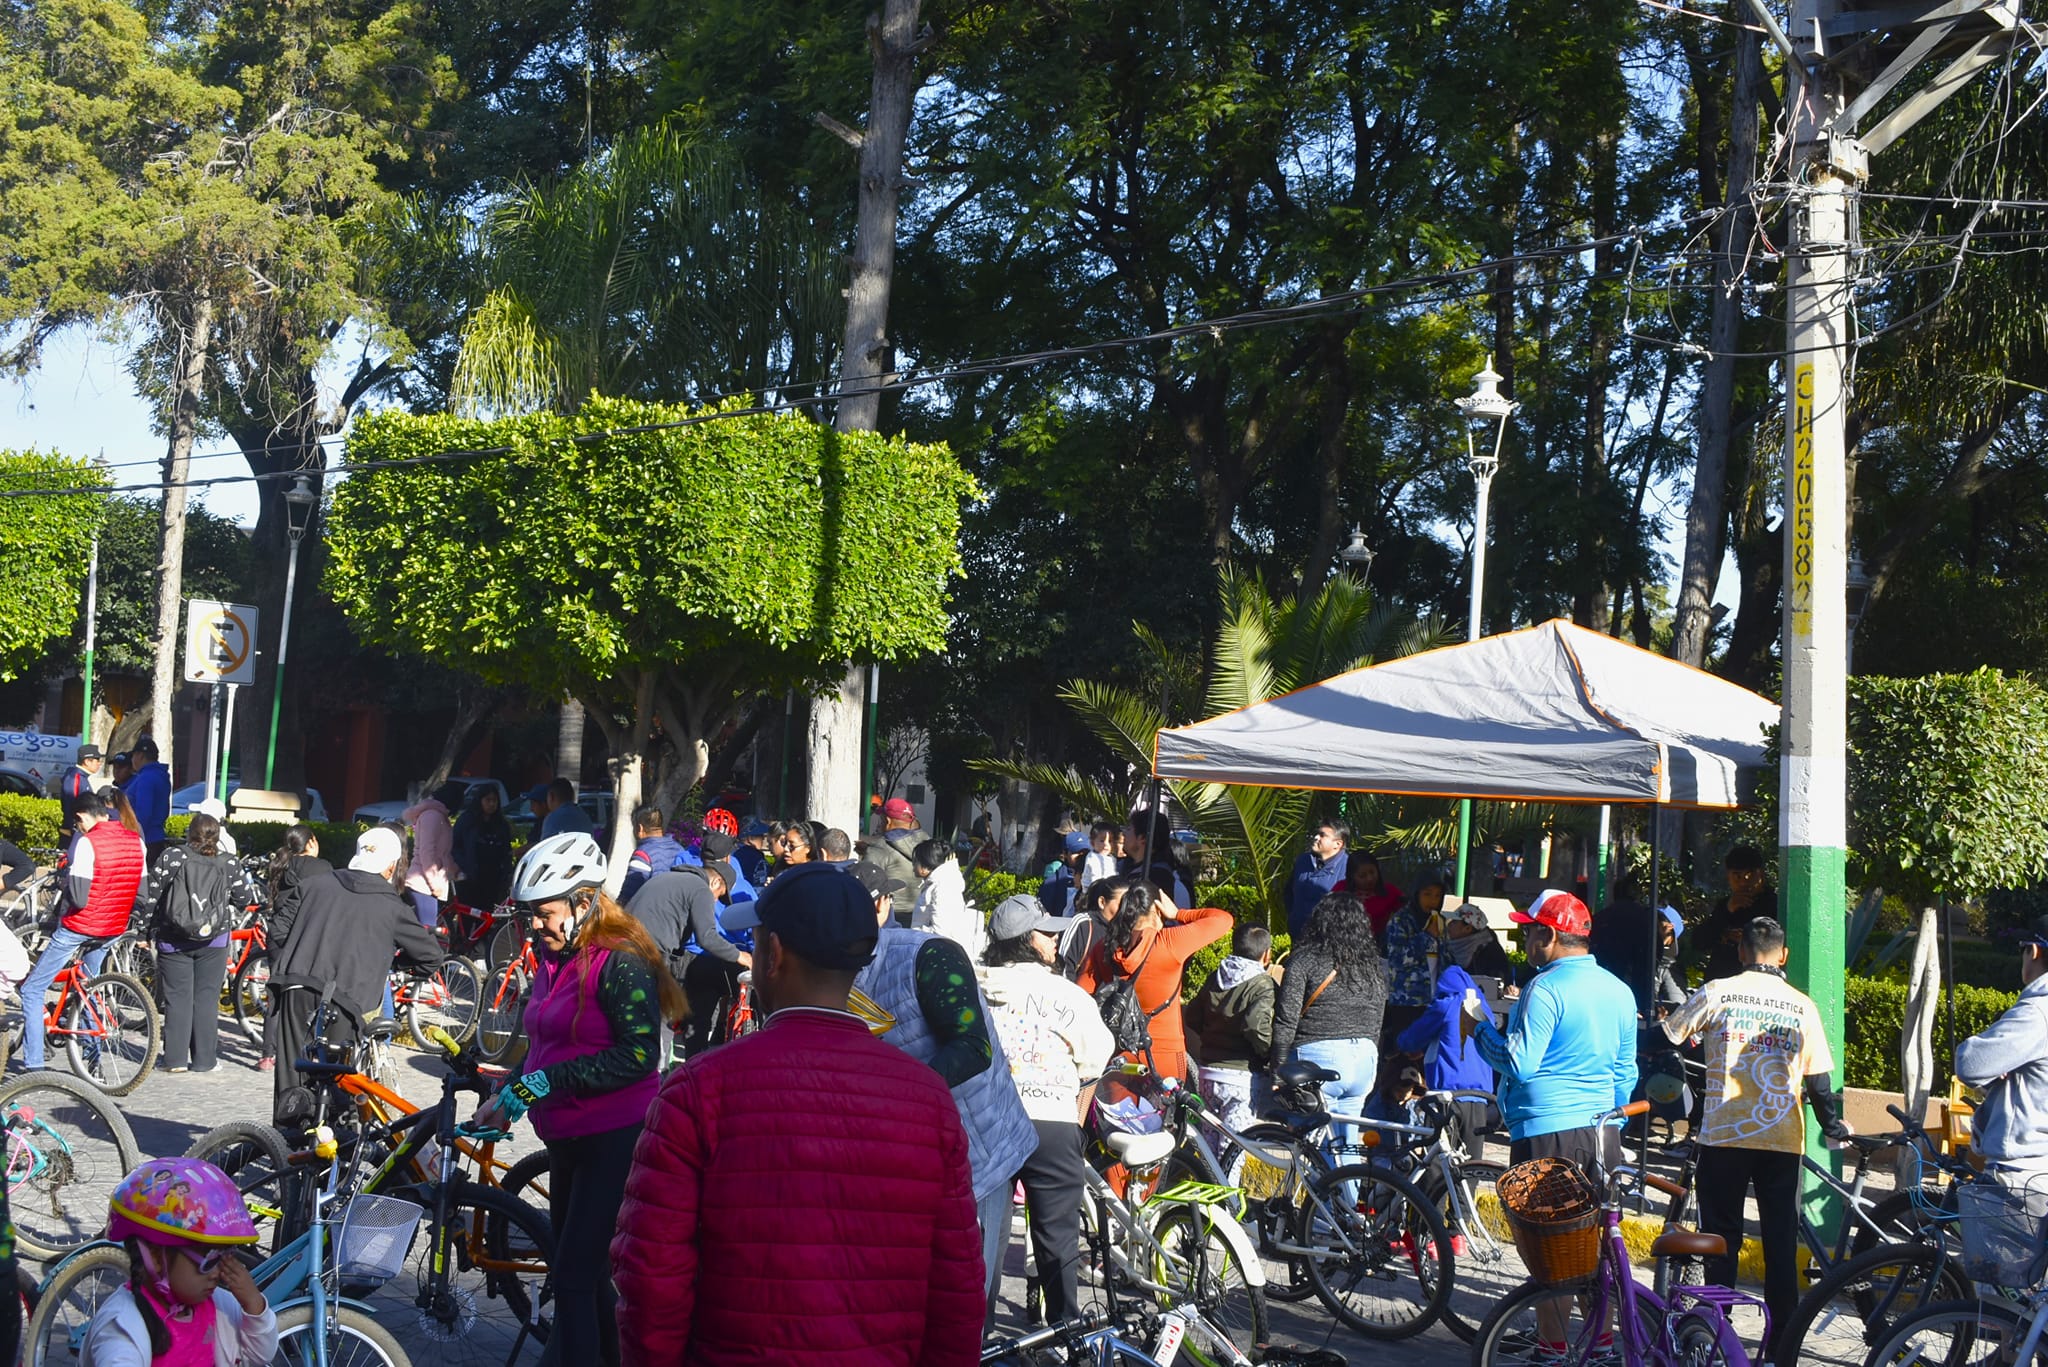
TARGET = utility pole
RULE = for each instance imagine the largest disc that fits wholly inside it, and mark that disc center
(92, 623)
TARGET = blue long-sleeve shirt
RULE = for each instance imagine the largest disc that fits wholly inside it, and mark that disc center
(1569, 1050)
(149, 793)
(1312, 880)
(1451, 1062)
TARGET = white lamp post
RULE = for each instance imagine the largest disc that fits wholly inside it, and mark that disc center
(1356, 552)
(1483, 405)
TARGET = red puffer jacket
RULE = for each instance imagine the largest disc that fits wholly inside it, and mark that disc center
(800, 1196)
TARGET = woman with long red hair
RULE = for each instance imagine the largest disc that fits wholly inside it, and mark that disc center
(593, 1030)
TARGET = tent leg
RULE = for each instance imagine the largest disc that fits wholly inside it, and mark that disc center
(1656, 900)
(1600, 859)
(1464, 846)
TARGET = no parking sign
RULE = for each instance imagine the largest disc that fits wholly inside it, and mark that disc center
(220, 642)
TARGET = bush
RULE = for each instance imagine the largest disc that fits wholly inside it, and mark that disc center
(1241, 901)
(1875, 1012)
(30, 822)
(337, 838)
(1205, 961)
(988, 887)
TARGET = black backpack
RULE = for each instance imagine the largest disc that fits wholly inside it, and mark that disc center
(1130, 1024)
(196, 905)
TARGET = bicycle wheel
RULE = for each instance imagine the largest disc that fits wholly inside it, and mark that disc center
(257, 1158)
(1909, 1217)
(1512, 1334)
(250, 993)
(1382, 1259)
(1843, 1313)
(1957, 1334)
(67, 1149)
(112, 1032)
(500, 1021)
(495, 1304)
(449, 998)
(354, 1339)
(1203, 1269)
(71, 1295)
(1697, 1340)
(1272, 1194)
(527, 1181)
(1488, 1267)
(505, 943)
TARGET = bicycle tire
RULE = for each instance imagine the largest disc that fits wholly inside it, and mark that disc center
(1389, 1222)
(250, 994)
(121, 1059)
(505, 944)
(1903, 1217)
(1213, 1282)
(1696, 1342)
(529, 1174)
(257, 1159)
(354, 1339)
(1841, 1315)
(1506, 1337)
(1269, 1219)
(449, 998)
(491, 1294)
(58, 1199)
(1487, 1265)
(1956, 1334)
(502, 1013)
(69, 1298)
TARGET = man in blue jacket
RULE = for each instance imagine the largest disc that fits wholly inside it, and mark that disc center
(1569, 1050)
(149, 793)
(1318, 872)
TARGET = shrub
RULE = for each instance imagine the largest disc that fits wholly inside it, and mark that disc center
(30, 822)
(1204, 963)
(987, 887)
(1875, 1012)
(1240, 900)
(337, 838)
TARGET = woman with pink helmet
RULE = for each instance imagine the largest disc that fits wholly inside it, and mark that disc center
(189, 1302)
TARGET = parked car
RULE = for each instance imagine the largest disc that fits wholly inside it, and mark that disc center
(184, 799)
(370, 813)
(20, 782)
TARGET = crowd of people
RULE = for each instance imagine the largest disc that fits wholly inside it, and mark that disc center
(922, 1059)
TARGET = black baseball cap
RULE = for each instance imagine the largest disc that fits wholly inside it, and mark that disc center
(821, 912)
(86, 752)
(878, 880)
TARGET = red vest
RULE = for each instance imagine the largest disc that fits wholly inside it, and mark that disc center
(118, 863)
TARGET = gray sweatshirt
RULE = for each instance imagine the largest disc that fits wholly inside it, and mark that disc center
(2009, 1063)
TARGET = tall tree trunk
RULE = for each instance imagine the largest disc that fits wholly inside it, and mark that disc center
(473, 706)
(569, 727)
(631, 757)
(170, 568)
(834, 734)
(1705, 515)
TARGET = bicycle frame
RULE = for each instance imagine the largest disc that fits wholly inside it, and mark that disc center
(1134, 1227)
(1616, 1281)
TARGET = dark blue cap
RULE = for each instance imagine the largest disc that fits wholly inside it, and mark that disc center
(819, 911)
(755, 827)
(1076, 841)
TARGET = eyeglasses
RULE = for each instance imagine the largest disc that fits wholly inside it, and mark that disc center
(207, 1261)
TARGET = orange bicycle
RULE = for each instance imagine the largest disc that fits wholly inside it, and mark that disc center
(108, 1023)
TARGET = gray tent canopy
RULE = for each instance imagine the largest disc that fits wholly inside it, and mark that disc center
(1554, 713)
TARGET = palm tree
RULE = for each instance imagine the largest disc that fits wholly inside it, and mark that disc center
(658, 271)
(1265, 645)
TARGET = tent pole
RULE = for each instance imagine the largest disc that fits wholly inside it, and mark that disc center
(1464, 846)
(1656, 900)
(1600, 859)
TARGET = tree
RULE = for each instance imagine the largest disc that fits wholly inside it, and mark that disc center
(659, 572)
(1265, 646)
(45, 549)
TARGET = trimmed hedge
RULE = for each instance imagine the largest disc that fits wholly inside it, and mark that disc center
(986, 887)
(1875, 1011)
(30, 822)
(337, 838)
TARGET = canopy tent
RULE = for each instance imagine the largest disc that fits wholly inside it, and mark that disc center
(1554, 713)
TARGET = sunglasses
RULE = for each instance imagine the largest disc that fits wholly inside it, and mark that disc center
(206, 1262)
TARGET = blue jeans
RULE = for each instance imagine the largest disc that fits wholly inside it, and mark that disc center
(1356, 1062)
(64, 947)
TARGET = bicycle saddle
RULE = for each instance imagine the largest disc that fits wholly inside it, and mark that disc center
(1139, 1150)
(1686, 1243)
(1301, 1073)
(383, 1028)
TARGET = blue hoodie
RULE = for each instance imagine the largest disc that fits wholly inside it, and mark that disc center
(655, 854)
(1450, 1063)
(1569, 1052)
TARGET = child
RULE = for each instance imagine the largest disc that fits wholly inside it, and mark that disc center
(1101, 860)
(189, 1302)
(1229, 1027)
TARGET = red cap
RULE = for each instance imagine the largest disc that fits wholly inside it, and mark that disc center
(897, 807)
(1561, 911)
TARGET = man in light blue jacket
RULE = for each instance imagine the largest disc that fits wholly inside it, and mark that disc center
(1569, 1050)
(2008, 1062)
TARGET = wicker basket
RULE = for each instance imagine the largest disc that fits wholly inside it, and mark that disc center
(1555, 1216)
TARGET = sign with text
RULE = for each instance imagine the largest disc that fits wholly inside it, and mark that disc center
(220, 642)
(44, 756)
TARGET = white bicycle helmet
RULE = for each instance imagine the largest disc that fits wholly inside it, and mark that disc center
(556, 867)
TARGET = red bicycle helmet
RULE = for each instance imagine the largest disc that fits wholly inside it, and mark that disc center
(720, 820)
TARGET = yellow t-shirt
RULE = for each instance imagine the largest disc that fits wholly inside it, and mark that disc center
(1764, 1039)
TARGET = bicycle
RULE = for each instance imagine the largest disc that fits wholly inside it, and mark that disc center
(1609, 1316)
(2002, 1231)
(318, 1325)
(1096, 1342)
(247, 993)
(25, 910)
(449, 998)
(68, 1147)
(501, 1016)
(108, 1023)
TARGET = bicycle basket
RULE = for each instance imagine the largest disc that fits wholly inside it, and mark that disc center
(376, 1231)
(2001, 1230)
(1264, 1172)
(1554, 1213)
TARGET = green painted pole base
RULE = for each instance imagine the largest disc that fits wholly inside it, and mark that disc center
(1464, 845)
(1814, 903)
(270, 751)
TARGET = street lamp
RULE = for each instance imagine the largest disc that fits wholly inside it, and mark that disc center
(299, 502)
(1483, 405)
(1356, 552)
(1856, 597)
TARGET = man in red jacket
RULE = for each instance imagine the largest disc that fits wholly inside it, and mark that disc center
(104, 869)
(801, 1195)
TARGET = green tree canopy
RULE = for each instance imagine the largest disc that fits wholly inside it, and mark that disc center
(45, 551)
(660, 573)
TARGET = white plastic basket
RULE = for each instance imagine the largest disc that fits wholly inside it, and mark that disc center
(376, 1231)
(2001, 1229)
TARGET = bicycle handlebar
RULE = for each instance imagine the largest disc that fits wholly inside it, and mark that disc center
(1068, 1330)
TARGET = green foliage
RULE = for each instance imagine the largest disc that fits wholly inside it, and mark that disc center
(45, 550)
(30, 822)
(218, 564)
(1875, 1014)
(337, 838)
(986, 888)
(1205, 960)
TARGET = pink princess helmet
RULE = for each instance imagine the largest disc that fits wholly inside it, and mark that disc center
(179, 1201)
